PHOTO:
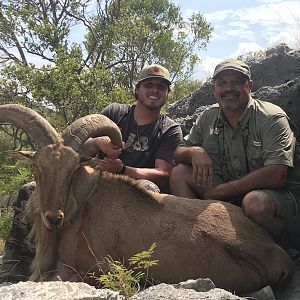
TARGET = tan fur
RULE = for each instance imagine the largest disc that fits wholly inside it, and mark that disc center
(104, 214)
(108, 214)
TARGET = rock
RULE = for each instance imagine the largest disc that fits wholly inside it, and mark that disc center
(287, 96)
(276, 78)
(199, 285)
(165, 291)
(55, 290)
(188, 290)
(266, 293)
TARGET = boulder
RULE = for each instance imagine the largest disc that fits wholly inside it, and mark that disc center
(276, 78)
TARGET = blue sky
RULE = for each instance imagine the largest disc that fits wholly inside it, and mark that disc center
(242, 26)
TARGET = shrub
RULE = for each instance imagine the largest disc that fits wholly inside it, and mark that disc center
(5, 223)
(127, 281)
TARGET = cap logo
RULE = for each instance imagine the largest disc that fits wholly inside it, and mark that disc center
(156, 71)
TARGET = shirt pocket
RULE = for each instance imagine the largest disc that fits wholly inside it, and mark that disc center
(212, 149)
(255, 153)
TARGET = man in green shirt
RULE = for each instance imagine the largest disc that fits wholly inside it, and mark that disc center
(243, 151)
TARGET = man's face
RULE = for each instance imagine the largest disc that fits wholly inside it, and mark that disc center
(152, 93)
(232, 90)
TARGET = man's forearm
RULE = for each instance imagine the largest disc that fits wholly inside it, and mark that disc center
(157, 176)
(268, 177)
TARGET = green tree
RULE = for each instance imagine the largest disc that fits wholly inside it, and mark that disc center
(76, 79)
(130, 34)
(42, 67)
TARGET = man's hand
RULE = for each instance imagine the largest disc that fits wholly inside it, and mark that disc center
(202, 168)
(111, 150)
(113, 165)
(102, 143)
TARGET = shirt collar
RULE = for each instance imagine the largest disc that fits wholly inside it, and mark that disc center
(244, 119)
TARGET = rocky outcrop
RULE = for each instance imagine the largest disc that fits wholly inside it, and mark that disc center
(280, 65)
(276, 77)
(287, 96)
(189, 290)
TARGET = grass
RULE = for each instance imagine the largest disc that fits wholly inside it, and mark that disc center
(5, 223)
(2, 242)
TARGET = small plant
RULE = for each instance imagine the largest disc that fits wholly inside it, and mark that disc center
(5, 223)
(127, 281)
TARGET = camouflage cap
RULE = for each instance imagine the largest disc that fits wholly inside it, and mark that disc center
(154, 71)
(232, 64)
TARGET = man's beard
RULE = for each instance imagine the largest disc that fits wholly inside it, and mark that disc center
(231, 104)
(152, 106)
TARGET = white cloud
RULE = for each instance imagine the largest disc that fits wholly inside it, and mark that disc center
(256, 23)
(244, 48)
(239, 24)
(284, 37)
(242, 34)
(270, 14)
(187, 13)
(218, 16)
(217, 36)
(205, 67)
(269, 1)
(249, 29)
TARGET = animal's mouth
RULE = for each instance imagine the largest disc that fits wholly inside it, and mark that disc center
(53, 220)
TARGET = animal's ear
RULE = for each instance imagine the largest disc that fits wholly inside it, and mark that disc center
(21, 155)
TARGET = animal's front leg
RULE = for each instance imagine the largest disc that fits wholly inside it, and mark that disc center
(65, 273)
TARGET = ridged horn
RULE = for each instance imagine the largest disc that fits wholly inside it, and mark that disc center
(39, 129)
(91, 126)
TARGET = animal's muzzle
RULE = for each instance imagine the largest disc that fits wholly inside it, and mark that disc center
(54, 220)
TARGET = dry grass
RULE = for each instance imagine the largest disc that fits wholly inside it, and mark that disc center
(2, 242)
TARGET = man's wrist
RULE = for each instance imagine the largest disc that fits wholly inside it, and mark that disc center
(122, 171)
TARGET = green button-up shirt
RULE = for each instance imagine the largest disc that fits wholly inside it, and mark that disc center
(263, 136)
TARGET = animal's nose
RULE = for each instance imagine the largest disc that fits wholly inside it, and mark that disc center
(55, 219)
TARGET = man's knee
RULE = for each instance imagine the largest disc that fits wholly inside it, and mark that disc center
(258, 204)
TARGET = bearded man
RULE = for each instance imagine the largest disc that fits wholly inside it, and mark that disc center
(243, 151)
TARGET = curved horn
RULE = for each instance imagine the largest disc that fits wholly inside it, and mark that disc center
(91, 126)
(39, 129)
